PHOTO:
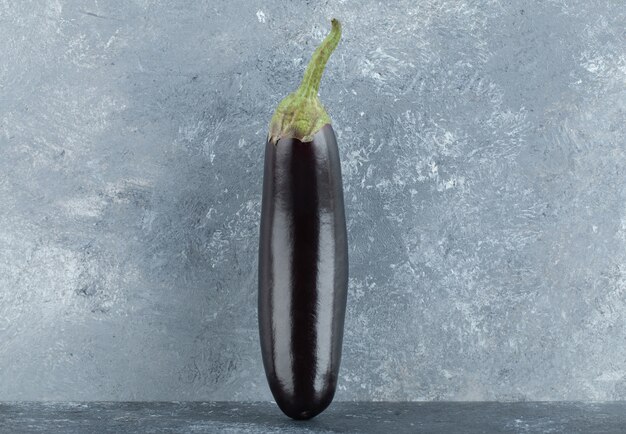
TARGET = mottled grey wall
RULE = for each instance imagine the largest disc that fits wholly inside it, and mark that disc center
(484, 157)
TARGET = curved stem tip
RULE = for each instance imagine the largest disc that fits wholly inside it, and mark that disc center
(313, 75)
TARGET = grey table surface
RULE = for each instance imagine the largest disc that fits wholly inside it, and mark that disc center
(265, 417)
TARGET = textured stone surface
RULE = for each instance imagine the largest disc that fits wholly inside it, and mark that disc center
(483, 152)
(352, 417)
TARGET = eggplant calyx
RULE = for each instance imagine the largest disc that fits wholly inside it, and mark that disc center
(301, 114)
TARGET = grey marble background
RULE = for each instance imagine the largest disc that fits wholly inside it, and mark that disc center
(483, 151)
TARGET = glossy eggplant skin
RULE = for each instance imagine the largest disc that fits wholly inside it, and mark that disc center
(303, 272)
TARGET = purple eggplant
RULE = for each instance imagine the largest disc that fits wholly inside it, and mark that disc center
(303, 249)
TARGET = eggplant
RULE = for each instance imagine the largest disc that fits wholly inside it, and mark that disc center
(303, 249)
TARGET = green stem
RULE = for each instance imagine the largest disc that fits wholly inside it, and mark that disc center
(310, 85)
(301, 114)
